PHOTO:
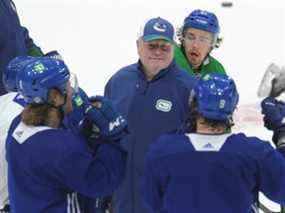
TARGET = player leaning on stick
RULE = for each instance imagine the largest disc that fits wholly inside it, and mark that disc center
(207, 170)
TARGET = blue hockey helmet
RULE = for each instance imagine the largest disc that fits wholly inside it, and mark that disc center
(216, 96)
(202, 20)
(41, 75)
(9, 74)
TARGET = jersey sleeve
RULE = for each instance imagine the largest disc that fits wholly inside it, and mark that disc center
(272, 174)
(32, 48)
(92, 176)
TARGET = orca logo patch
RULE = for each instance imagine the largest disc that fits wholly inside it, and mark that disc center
(163, 105)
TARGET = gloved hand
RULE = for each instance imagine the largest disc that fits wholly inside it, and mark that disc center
(79, 100)
(103, 114)
(274, 113)
(274, 119)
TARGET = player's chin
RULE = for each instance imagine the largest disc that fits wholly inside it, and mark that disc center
(160, 66)
(194, 60)
(155, 62)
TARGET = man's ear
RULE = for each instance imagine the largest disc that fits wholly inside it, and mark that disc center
(139, 44)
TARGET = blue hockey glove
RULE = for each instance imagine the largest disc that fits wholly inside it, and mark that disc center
(102, 112)
(274, 119)
(79, 100)
(274, 113)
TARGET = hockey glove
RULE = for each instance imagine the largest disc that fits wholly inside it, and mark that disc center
(274, 119)
(79, 100)
(110, 123)
(274, 113)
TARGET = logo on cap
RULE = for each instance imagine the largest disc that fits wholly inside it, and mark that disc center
(159, 27)
(202, 21)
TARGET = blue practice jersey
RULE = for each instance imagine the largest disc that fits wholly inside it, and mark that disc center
(46, 166)
(206, 173)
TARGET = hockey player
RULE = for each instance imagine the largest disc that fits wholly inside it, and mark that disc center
(153, 95)
(47, 163)
(199, 35)
(207, 170)
(11, 105)
(14, 39)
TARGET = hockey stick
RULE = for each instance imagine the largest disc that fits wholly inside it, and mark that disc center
(272, 85)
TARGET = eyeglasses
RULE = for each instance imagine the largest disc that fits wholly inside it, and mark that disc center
(198, 39)
(165, 47)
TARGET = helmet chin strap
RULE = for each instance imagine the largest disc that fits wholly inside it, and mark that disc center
(215, 39)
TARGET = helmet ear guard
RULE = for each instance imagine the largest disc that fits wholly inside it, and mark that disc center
(217, 41)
